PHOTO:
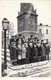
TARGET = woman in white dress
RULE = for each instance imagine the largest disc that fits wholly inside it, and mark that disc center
(23, 54)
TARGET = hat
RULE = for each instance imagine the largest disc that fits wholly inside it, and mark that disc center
(46, 42)
(41, 40)
(19, 34)
(30, 41)
(31, 35)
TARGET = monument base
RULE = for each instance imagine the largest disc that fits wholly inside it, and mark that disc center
(27, 34)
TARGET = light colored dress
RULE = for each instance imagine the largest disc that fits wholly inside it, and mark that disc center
(23, 52)
(19, 51)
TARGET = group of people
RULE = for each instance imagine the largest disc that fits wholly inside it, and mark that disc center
(24, 51)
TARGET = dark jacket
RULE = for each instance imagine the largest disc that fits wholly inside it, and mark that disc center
(12, 50)
(28, 52)
(39, 50)
(42, 51)
(47, 50)
(31, 52)
(35, 51)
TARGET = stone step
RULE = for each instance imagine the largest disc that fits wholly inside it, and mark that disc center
(30, 69)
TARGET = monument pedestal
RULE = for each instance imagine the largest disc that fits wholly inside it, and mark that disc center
(27, 34)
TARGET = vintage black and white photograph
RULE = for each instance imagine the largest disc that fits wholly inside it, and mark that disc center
(25, 38)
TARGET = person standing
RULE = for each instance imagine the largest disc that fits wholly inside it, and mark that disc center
(42, 52)
(19, 49)
(39, 51)
(11, 44)
(47, 51)
(35, 52)
(27, 52)
(23, 54)
(16, 41)
(31, 58)
(13, 50)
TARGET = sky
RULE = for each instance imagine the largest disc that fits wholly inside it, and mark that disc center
(10, 8)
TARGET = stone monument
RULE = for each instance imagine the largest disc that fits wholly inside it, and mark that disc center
(27, 20)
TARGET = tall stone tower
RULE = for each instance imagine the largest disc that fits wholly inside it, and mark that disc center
(27, 19)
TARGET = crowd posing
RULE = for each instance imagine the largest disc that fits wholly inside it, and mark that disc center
(23, 51)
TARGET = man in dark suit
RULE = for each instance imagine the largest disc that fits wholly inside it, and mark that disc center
(47, 51)
(31, 52)
(13, 50)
